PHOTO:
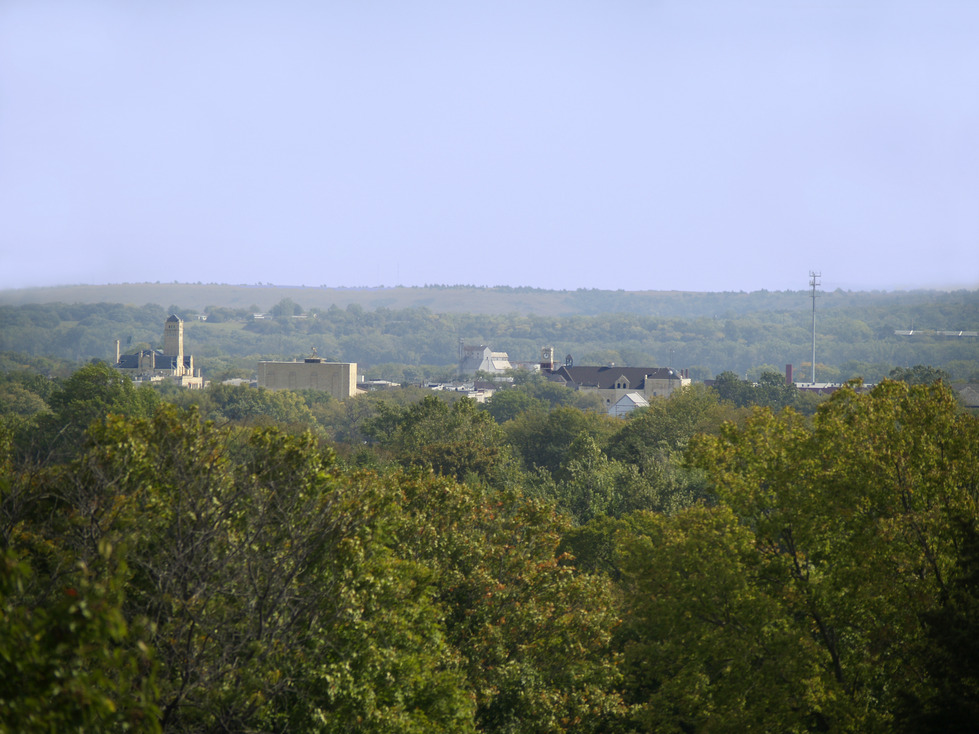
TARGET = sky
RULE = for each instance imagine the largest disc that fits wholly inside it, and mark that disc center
(714, 145)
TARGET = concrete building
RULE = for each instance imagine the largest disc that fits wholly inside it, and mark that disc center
(170, 363)
(612, 383)
(337, 378)
(480, 358)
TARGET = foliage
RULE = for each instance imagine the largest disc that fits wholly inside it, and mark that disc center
(240, 403)
(707, 644)
(920, 375)
(695, 567)
(848, 527)
(553, 394)
(542, 440)
(277, 592)
(770, 391)
(508, 404)
(275, 602)
(21, 395)
(669, 423)
(458, 440)
(69, 661)
(89, 394)
(534, 634)
(949, 701)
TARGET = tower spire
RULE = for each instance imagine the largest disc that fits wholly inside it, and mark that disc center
(813, 283)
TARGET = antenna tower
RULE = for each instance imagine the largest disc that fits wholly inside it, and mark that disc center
(813, 284)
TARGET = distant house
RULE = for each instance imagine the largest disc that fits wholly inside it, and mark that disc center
(480, 358)
(170, 363)
(613, 383)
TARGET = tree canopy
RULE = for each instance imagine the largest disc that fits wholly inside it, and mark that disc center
(262, 561)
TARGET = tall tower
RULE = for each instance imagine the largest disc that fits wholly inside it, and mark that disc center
(813, 284)
(546, 359)
(173, 341)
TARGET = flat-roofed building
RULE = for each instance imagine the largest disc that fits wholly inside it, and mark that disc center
(339, 379)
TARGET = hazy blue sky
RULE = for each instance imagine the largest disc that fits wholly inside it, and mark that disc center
(679, 144)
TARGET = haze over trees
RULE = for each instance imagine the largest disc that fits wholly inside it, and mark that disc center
(411, 334)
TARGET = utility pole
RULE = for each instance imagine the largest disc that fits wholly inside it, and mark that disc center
(813, 282)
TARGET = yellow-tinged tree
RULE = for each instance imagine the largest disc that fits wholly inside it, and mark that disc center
(534, 634)
(853, 524)
(267, 575)
(708, 643)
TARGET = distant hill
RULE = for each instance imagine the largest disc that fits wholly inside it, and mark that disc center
(476, 300)
(859, 333)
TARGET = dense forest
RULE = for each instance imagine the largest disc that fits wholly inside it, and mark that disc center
(738, 557)
(747, 334)
(728, 559)
(498, 300)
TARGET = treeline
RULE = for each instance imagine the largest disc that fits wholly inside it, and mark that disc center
(241, 560)
(522, 300)
(416, 343)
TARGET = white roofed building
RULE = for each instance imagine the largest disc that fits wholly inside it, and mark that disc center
(626, 404)
(480, 358)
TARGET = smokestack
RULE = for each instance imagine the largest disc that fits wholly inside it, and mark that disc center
(117, 351)
(788, 375)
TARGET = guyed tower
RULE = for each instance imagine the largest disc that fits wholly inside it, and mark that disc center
(813, 283)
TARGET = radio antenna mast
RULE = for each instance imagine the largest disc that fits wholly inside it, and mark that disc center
(813, 283)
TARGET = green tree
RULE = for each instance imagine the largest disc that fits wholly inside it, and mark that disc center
(669, 423)
(708, 644)
(589, 485)
(91, 393)
(69, 661)
(853, 522)
(533, 633)
(286, 308)
(460, 440)
(654, 438)
(508, 404)
(772, 392)
(276, 601)
(543, 440)
(733, 389)
(949, 699)
(920, 374)
(257, 406)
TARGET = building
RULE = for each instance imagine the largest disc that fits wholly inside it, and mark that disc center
(170, 363)
(337, 378)
(969, 395)
(480, 358)
(628, 403)
(612, 383)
